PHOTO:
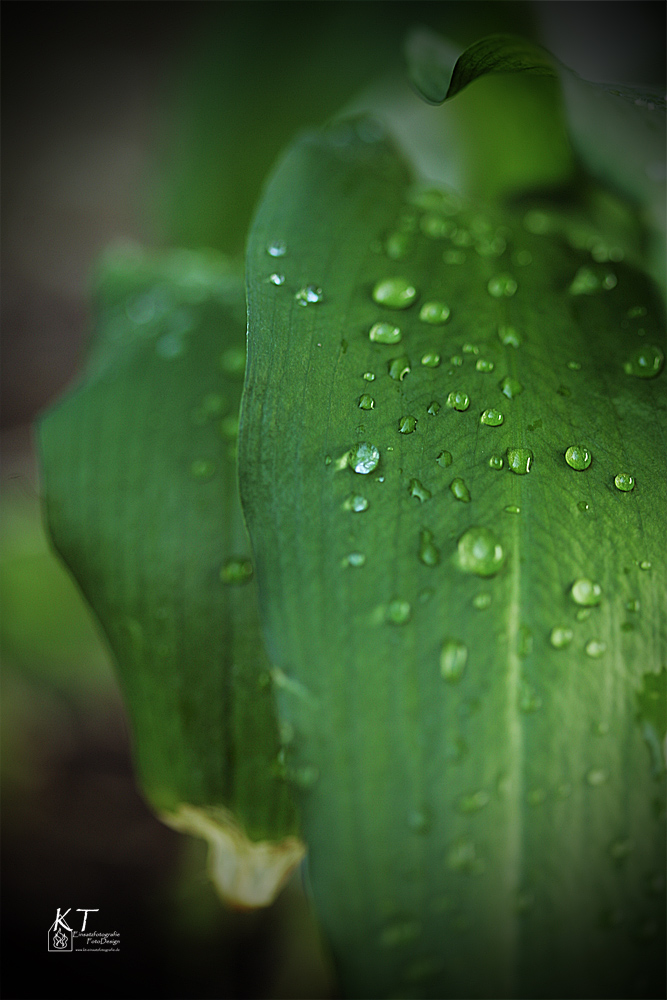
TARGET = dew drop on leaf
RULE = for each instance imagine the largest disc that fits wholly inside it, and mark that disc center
(356, 502)
(596, 648)
(428, 552)
(444, 459)
(482, 601)
(491, 418)
(624, 482)
(578, 457)
(434, 312)
(308, 295)
(364, 458)
(355, 559)
(398, 612)
(384, 333)
(458, 400)
(407, 424)
(368, 376)
(394, 293)
(511, 387)
(586, 593)
(596, 776)
(482, 365)
(276, 279)
(399, 367)
(431, 359)
(277, 249)
(236, 570)
(433, 408)
(415, 489)
(496, 462)
(502, 286)
(561, 637)
(460, 490)
(585, 282)
(519, 460)
(366, 402)
(509, 336)
(480, 552)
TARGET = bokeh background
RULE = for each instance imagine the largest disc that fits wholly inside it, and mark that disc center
(156, 123)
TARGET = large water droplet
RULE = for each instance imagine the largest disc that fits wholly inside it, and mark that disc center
(398, 245)
(624, 482)
(394, 293)
(444, 459)
(434, 312)
(398, 612)
(366, 402)
(431, 359)
(511, 387)
(496, 462)
(364, 458)
(308, 295)
(460, 490)
(519, 460)
(458, 400)
(384, 333)
(355, 502)
(596, 648)
(512, 508)
(561, 636)
(368, 376)
(236, 570)
(399, 368)
(277, 249)
(509, 336)
(578, 457)
(407, 424)
(492, 418)
(502, 286)
(433, 408)
(415, 489)
(586, 593)
(428, 552)
(480, 552)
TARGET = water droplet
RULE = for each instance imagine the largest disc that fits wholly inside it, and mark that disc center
(536, 796)
(482, 365)
(480, 552)
(433, 408)
(435, 227)
(398, 245)
(308, 295)
(585, 282)
(366, 402)
(492, 418)
(512, 509)
(586, 593)
(456, 360)
(596, 648)
(453, 659)
(277, 249)
(511, 387)
(491, 246)
(327, 460)
(444, 459)
(460, 490)
(458, 400)
(462, 857)
(645, 564)
(384, 333)
(502, 286)
(355, 559)
(519, 460)
(407, 424)
(399, 368)
(394, 293)
(364, 458)
(202, 469)
(609, 281)
(236, 570)
(578, 457)
(470, 349)
(583, 614)
(399, 932)
(434, 312)
(355, 502)
(474, 802)
(454, 256)
(398, 612)
(415, 489)
(368, 376)
(624, 482)
(276, 279)
(482, 601)
(561, 636)
(496, 462)
(508, 336)
(431, 359)
(529, 699)
(596, 776)
(428, 553)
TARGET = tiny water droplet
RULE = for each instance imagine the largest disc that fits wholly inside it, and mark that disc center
(431, 359)
(586, 593)
(502, 286)
(433, 408)
(624, 482)
(460, 490)
(578, 457)
(583, 614)
(561, 637)
(596, 648)
(645, 564)
(492, 418)
(482, 601)
(434, 312)
(519, 460)
(355, 502)
(529, 699)
(585, 282)
(480, 552)
(456, 360)
(394, 293)
(496, 462)
(633, 605)
(384, 333)
(482, 365)
(276, 279)
(202, 469)
(453, 659)
(574, 366)
(236, 570)
(474, 802)
(277, 249)
(458, 400)
(428, 552)
(355, 559)
(327, 460)
(609, 281)
(407, 424)
(444, 459)
(398, 612)
(470, 349)
(399, 368)
(508, 336)
(366, 402)
(512, 509)
(308, 295)
(364, 458)
(415, 489)
(369, 376)
(596, 776)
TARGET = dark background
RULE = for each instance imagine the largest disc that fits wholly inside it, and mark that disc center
(156, 123)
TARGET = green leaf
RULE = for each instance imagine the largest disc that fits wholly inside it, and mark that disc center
(141, 502)
(479, 798)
